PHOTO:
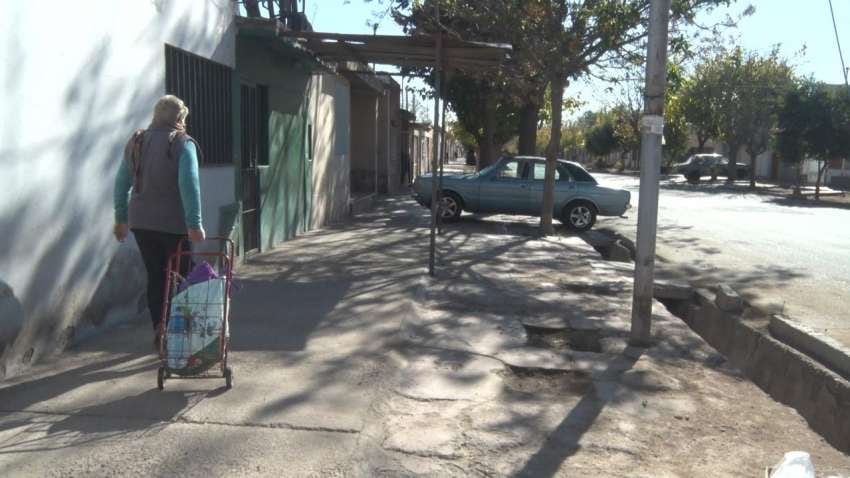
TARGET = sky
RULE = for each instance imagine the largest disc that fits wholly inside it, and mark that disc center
(794, 25)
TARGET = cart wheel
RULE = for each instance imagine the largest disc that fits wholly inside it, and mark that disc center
(228, 377)
(160, 378)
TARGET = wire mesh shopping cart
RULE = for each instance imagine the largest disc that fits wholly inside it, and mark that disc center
(195, 327)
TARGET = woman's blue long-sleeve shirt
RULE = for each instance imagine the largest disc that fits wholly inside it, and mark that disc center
(187, 179)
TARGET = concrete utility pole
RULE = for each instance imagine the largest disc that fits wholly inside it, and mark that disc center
(435, 201)
(652, 130)
(442, 154)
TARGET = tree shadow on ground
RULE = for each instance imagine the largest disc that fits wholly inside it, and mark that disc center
(563, 441)
(810, 203)
(741, 188)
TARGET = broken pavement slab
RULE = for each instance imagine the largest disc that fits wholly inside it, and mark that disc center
(728, 300)
(450, 376)
(672, 290)
(440, 441)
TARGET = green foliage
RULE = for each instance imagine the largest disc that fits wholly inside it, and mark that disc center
(544, 136)
(814, 121)
(676, 130)
(459, 132)
(828, 130)
(467, 96)
(792, 124)
(695, 104)
(626, 123)
(549, 38)
(745, 93)
(601, 140)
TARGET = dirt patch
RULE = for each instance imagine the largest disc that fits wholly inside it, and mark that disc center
(564, 339)
(545, 381)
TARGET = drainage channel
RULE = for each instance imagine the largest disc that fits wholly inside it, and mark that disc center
(790, 377)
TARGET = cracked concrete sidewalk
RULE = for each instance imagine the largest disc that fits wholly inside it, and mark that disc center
(349, 361)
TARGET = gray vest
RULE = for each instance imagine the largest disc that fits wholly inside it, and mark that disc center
(155, 203)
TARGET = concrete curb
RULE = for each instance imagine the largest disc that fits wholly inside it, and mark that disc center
(790, 377)
(820, 347)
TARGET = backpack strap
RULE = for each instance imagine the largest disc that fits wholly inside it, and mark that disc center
(136, 155)
(183, 137)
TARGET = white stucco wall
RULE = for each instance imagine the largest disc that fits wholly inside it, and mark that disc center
(77, 78)
(217, 186)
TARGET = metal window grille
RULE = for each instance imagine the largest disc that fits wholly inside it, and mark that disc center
(254, 118)
(309, 141)
(205, 87)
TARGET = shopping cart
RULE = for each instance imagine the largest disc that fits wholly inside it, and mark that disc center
(194, 334)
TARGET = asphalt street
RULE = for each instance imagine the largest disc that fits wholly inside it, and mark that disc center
(788, 257)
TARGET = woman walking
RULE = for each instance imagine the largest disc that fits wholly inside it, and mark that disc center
(158, 195)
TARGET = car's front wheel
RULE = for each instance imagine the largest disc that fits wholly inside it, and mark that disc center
(450, 206)
(579, 216)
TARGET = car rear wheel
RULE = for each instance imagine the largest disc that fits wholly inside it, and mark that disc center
(579, 216)
(450, 206)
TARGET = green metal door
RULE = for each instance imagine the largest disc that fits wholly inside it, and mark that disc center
(286, 184)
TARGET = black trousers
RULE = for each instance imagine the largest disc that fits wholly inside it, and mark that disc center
(156, 247)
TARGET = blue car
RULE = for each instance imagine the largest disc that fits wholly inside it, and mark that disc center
(514, 185)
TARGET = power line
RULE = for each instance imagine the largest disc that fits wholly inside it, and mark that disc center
(838, 42)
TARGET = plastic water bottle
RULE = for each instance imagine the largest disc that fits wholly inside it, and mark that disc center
(795, 464)
(177, 342)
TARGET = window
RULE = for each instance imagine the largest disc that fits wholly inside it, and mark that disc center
(511, 170)
(205, 87)
(540, 172)
(254, 124)
(579, 174)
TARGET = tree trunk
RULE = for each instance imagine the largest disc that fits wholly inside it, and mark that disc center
(753, 170)
(551, 158)
(486, 154)
(821, 171)
(529, 116)
(701, 143)
(798, 183)
(732, 167)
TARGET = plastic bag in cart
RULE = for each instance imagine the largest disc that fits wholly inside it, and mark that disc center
(202, 272)
(193, 336)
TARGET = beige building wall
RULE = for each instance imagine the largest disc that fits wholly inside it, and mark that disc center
(364, 142)
(329, 113)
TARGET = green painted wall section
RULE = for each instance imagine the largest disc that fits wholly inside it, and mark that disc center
(285, 183)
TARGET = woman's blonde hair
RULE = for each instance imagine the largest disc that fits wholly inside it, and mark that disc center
(170, 110)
